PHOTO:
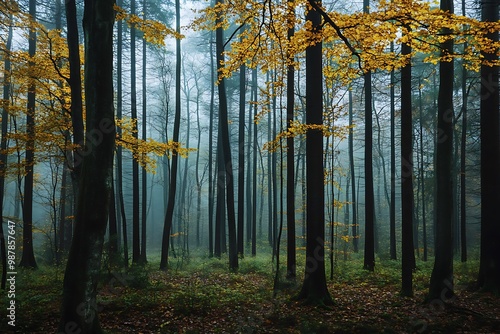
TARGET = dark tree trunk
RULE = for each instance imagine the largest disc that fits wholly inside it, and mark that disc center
(441, 283)
(290, 157)
(407, 249)
(489, 268)
(226, 149)
(250, 180)
(274, 171)
(392, 207)
(3, 145)
(199, 179)
(219, 210)
(369, 257)
(28, 256)
(463, 146)
(119, 160)
(136, 247)
(79, 305)
(314, 289)
(62, 211)
(113, 228)
(75, 83)
(241, 163)
(254, 158)
(169, 215)
(211, 153)
(422, 179)
(144, 177)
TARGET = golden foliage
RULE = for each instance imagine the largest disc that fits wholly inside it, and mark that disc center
(154, 32)
(263, 40)
(145, 150)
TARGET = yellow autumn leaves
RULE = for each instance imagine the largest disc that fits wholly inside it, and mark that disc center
(263, 42)
(49, 70)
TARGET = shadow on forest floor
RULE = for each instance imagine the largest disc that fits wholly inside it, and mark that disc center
(208, 299)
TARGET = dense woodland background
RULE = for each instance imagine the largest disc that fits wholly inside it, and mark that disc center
(281, 139)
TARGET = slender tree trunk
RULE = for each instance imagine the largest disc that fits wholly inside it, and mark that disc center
(241, 162)
(136, 247)
(369, 255)
(254, 158)
(392, 207)
(175, 158)
(422, 178)
(290, 154)
(75, 83)
(219, 216)
(355, 238)
(463, 146)
(250, 180)
(119, 156)
(113, 228)
(199, 181)
(226, 149)
(3, 145)
(407, 249)
(62, 211)
(210, 153)
(28, 256)
(79, 306)
(274, 171)
(144, 177)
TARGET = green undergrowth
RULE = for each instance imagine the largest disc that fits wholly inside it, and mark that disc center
(201, 287)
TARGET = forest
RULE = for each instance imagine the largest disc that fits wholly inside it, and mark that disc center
(255, 166)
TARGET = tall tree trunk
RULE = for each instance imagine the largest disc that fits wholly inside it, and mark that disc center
(3, 145)
(369, 248)
(211, 153)
(199, 179)
(274, 171)
(489, 268)
(136, 247)
(28, 256)
(226, 149)
(270, 220)
(369, 257)
(254, 158)
(392, 207)
(441, 283)
(250, 180)
(79, 306)
(290, 153)
(241, 162)
(183, 208)
(463, 146)
(119, 155)
(407, 249)
(144, 177)
(355, 238)
(314, 289)
(422, 177)
(169, 215)
(75, 83)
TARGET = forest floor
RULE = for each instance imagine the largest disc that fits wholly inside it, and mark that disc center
(204, 297)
